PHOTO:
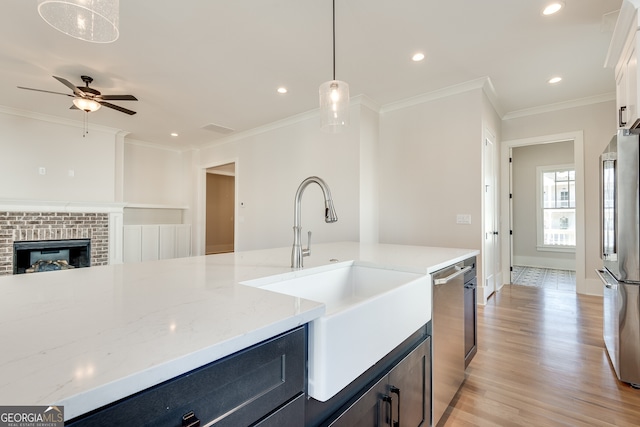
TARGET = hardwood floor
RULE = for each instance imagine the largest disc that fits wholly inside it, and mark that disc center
(541, 362)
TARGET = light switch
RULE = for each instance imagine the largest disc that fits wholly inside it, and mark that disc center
(463, 219)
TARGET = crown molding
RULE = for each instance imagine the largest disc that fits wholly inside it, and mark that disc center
(262, 129)
(483, 83)
(492, 96)
(365, 101)
(581, 102)
(627, 18)
(154, 145)
(57, 120)
(362, 100)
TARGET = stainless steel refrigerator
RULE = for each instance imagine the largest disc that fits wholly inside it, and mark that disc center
(620, 238)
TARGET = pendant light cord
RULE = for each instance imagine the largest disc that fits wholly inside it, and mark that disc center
(334, 39)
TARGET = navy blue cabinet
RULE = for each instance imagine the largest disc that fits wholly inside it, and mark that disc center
(402, 397)
(262, 385)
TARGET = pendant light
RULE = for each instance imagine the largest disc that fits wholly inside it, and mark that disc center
(334, 96)
(89, 20)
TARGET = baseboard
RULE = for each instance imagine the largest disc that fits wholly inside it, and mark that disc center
(538, 262)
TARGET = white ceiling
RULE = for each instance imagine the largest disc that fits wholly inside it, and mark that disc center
(195, 62)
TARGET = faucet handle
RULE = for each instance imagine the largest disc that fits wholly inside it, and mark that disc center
(307, 252)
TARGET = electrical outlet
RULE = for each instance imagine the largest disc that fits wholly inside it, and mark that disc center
(463, 219)
(42, 171)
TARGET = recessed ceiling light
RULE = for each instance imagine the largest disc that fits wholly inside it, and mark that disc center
(174, 134)
(554, 80)
(418, 57)
(552, 8)
(282, 90)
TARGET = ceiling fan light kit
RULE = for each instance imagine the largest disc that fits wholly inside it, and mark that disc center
(88, 105)
(334, 96)
(89, 20)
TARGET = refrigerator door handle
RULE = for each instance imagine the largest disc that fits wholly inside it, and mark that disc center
(605, 282)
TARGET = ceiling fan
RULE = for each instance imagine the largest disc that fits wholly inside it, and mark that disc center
(89, 99)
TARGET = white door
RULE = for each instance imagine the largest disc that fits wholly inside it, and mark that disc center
(490, 252)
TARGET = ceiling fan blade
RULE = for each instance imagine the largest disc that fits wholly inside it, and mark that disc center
(71, 86)
(47, 91)
(117, 108)
(117, 97)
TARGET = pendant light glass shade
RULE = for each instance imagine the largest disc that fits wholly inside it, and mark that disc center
(334, 96)
(334, 106)
(88, 105)
(89, 20)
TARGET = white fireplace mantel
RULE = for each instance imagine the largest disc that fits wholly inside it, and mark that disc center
(26, 205)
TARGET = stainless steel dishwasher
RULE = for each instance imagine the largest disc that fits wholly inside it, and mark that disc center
(447, 335)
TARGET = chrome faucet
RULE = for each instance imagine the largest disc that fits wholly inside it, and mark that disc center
(330, 216)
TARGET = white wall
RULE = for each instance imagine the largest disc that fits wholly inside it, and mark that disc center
(149, 216)
(30, 143)
(526, 159)
(597, 121)
(431, 170)
(272, 162)
(369, 176)
(153, 175)
(107, 172)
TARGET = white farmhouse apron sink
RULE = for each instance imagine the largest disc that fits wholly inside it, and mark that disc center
(369, 311)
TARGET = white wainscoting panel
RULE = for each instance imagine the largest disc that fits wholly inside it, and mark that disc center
(154, 242)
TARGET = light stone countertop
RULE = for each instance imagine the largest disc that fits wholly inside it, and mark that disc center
(87, 337)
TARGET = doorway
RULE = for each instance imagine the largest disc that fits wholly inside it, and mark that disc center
(220, 209)
(507, 197)
(543, 215)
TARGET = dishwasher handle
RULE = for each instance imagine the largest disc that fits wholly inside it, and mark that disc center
(451, 276)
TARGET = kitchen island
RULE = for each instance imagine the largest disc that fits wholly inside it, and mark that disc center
(87, 337)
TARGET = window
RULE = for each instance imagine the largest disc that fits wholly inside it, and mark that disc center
(557, 208)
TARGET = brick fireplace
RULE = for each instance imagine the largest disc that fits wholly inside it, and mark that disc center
(41, 226)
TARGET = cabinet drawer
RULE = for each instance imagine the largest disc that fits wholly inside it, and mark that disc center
(235, 391)
(290, 415)
(402, 397)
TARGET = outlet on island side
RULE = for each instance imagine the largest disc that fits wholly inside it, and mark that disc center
(463, 219)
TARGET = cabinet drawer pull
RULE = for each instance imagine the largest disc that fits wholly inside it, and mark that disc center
(190, 420)
(389, 400)
(396, 390)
